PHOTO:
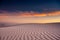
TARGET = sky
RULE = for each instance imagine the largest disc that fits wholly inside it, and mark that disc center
(30, 11)
(30, 5)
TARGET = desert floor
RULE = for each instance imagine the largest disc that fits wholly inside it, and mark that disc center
(31, 32)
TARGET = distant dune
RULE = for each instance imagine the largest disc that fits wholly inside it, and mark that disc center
(17, 24)
(30, 31)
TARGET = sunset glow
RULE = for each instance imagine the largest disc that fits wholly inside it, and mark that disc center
(29, 17)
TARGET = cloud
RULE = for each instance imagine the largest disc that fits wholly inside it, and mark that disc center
(30, 17)
(20, 13)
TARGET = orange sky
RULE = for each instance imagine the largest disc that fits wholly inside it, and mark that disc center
(30, 17)
(54, 13)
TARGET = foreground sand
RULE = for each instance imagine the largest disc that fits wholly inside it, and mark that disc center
(30, 32)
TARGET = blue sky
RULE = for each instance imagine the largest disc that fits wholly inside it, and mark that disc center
(30, 5)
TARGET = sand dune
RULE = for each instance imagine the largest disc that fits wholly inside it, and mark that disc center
(31, 32)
